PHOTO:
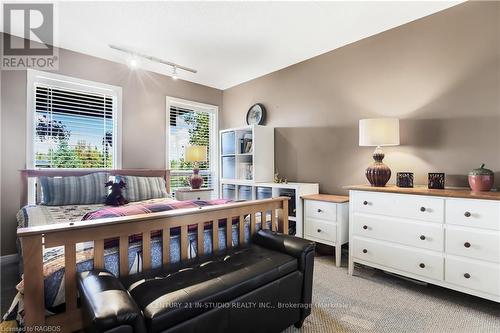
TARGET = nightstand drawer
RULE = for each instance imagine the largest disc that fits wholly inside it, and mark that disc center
(320, 229)
(414, 261)
(406, 232)
(473, 274)
(202, 194)
(321, 210)
(479, 244)
(397, 205)
(473, 213)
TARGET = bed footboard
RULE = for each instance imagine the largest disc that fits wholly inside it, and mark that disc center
(35, 239)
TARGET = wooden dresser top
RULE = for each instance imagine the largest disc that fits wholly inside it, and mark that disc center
(423, 190)
(327, 197)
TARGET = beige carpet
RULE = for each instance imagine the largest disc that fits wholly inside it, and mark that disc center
(372, 301)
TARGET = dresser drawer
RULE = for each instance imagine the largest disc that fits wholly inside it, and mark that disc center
(479, 244)
(320, 229)
(399, 205)
(321, 210)
(473, 213)
(420, 262)
(419, 234)
(473, 274)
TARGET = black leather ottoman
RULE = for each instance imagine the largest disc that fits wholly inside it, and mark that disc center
(264, 287)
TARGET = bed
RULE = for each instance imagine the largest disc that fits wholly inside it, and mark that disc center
(56, 243)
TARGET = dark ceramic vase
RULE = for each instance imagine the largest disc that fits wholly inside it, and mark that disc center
(378, 174)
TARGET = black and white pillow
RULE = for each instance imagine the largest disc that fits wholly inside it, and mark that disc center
(143, 188)
(74, 190)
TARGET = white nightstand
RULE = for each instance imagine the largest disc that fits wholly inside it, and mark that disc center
(192, 194)
(326, 220)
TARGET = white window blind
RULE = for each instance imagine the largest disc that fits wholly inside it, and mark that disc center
(190, 127)
(73, 128)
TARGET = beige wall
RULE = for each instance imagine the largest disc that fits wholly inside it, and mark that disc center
(143, 117)
(439, 74)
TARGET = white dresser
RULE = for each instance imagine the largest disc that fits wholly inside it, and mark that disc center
(450, 238)
(326, 221)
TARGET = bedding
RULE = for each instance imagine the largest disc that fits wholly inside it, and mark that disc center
(54, 257)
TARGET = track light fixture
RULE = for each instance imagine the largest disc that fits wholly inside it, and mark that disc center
(174, 73)
(135, 57)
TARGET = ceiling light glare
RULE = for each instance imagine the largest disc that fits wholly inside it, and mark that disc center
(133, 62)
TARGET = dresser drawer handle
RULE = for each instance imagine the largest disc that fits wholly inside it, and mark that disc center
(319, 230)
(422, 265)
(467, 275)
(467, 244)
(422, 209)
(319, 210)
(365, 250)
(467, 214)
(365, 227)
(365, 202)
(422, 237)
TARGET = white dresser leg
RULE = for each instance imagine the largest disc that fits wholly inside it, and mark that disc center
(350, 265)
(338, 254)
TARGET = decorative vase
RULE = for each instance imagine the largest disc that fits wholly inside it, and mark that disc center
(481, 179)
(196, 180)
(378, 174)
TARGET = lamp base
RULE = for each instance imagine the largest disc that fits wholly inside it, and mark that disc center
(378, 174)
(196, 181)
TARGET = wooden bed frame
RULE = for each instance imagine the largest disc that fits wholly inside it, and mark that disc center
(34, 239)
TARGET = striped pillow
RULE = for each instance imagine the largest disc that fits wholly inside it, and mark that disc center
(74, 190)
(143, 188)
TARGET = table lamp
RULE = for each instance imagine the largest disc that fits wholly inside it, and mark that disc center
(378, 133)
(196, 154)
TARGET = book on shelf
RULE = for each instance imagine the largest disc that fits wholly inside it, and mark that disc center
(245, 145)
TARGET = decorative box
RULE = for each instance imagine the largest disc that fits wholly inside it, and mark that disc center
(404, 179)
(436, 180)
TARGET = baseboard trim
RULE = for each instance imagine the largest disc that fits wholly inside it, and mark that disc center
(9, 259)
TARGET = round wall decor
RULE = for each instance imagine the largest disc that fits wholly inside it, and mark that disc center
(256, 115)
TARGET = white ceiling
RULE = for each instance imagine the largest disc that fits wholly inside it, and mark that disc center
(228, 42)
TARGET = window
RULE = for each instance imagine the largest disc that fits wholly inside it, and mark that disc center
(191, 123)
(74, 123)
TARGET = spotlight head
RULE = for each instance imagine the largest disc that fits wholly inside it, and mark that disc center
(133, 63)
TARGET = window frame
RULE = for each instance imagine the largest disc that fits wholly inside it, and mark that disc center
(68, 82)
(214, 137)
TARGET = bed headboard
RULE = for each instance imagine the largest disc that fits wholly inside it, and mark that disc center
(35, 173)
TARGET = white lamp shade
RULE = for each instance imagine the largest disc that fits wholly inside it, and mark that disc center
(196, 154)
(379, 132)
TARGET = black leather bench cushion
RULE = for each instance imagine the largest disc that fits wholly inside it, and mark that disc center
(168, 297)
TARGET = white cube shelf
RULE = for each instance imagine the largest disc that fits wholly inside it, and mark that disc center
(237, 190)
(247, 154)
